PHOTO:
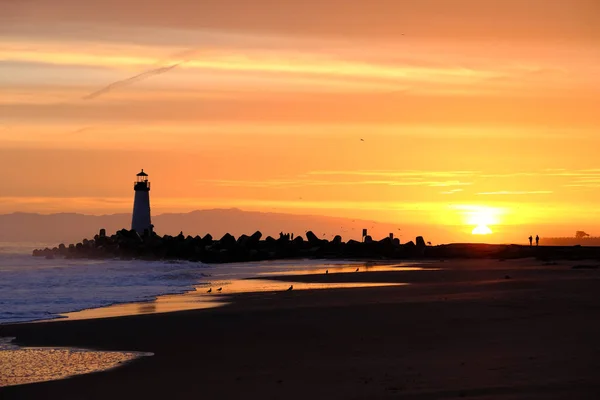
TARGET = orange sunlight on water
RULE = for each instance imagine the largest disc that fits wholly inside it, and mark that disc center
(28, 365)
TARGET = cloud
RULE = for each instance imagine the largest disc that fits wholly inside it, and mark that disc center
(392, 173)
(380, 20)
(130, 81)
(452, 191)
(300, 182)
(517, 192)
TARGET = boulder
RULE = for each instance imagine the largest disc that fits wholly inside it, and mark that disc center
(420, 241)
(255, 238)
(243, 240)
(386, 241)
(311, 237)
(227, 240)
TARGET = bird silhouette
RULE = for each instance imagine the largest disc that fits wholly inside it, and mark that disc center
(356, 270)
(362, 140)
(219, 289)
(326, 271)
(290, 288)
(209, 290)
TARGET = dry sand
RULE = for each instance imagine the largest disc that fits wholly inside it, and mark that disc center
(463, 332)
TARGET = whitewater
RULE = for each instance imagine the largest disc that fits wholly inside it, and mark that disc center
(35, 288)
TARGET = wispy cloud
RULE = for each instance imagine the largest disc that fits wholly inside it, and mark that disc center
(129, 81)
(452, 191)
(515, 192)
(405, 173)
(287, 183)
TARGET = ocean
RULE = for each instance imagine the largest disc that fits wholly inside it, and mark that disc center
(34, 288)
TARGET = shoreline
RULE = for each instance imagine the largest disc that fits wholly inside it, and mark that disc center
(184, 299)
(464, 330)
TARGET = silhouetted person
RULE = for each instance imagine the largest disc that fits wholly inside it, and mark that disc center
(537, 240)
(530, 240)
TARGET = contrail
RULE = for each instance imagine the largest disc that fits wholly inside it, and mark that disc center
(129, 81)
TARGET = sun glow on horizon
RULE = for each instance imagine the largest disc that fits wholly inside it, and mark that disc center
(481, 217)
(481, 230)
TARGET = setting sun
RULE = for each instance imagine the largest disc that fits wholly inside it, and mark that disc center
(480, 217)
(481, 230)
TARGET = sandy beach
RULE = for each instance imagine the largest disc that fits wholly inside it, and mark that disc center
(484, 329)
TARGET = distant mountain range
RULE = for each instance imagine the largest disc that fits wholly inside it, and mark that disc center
(71, 227)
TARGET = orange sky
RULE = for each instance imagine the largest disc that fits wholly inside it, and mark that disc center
(472, 112)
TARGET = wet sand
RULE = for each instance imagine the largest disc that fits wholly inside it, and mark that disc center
(465, 331)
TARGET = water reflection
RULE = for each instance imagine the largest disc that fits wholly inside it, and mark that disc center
(147, 308)
(39, 364)
(217, 292)
(265, 285)
(199, 298)
(347, 268)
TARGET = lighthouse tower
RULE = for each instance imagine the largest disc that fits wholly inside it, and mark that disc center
(141, 204)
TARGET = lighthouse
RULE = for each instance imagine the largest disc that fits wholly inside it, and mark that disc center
(141, 204)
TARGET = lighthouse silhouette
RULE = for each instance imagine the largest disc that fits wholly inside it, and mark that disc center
(141, 204)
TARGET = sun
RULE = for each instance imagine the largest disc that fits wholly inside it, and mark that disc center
(481, 218)
(481, 230)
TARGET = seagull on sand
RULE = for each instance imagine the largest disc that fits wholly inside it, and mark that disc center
(356, 270)
(209, 290)
(290, 288)
(219, 289)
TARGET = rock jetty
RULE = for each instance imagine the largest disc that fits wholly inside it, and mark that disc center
(127, 244)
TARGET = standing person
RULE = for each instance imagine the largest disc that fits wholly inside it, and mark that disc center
(530, 240)
(537, 240)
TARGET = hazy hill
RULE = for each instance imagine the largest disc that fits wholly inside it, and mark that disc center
(68, 228)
